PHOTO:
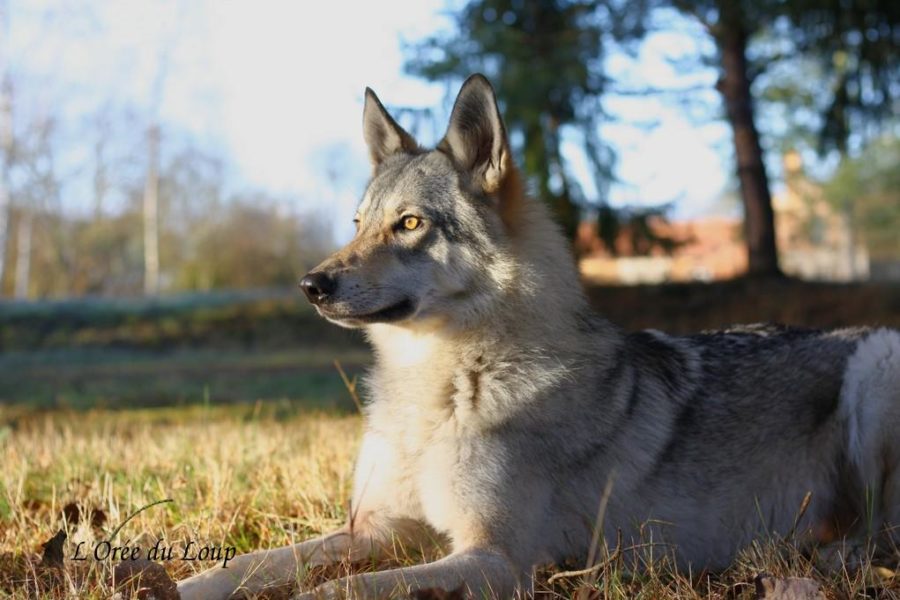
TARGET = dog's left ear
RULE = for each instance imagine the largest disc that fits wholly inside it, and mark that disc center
(381, 132)
(476, 138)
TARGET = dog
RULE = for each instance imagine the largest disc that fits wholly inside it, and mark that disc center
(505, 414)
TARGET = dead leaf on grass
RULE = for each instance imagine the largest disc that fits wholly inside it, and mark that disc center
(53, 551)
(74, 513)
(787, 588)
(438, 594)
(144, 580)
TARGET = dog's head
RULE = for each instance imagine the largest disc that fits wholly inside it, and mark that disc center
(432, 228)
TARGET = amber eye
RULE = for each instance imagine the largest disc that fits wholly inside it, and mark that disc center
(410, 223)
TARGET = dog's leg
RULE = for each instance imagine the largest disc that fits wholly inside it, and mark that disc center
(871, 395)
(889, 536)
(252, 573)
(479, 573)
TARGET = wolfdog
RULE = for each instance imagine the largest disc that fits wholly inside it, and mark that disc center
(504, 412)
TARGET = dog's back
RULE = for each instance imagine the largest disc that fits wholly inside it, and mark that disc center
(751, 420)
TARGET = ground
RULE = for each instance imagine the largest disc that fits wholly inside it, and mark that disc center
(106, 411)
(254, 477)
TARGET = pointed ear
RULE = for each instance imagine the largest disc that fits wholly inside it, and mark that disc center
(382, 134)
(476, 138)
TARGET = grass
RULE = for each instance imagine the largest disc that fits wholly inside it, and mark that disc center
(251, 319)
(227, 347)
(250, 476)
(113, 378)
(257, 476)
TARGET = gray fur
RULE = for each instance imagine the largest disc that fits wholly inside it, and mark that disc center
(500, 407)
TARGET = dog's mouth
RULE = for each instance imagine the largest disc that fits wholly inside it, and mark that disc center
(389, 314)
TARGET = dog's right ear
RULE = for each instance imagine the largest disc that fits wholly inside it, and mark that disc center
(476, 138)
(382, 134)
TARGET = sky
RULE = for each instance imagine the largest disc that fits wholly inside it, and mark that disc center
(278, 86)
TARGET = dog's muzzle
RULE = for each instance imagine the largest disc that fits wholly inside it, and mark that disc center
(318, 287)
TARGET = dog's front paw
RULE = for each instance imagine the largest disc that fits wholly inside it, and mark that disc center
(332, 590)
(364, 586)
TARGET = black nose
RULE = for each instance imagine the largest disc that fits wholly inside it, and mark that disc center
(318, 286)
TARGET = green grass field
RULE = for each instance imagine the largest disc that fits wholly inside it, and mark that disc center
(221, 348)
(231, 406)
(129, 378)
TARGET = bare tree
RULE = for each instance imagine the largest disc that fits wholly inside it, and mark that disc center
(23, 253)
(39, 191)
(151, 186)
(151, 212)
(6, 134)
(102, 129)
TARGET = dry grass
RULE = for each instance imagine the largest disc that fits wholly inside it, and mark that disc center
(246, 477)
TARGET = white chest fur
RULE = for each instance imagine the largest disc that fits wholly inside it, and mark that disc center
(419, 422)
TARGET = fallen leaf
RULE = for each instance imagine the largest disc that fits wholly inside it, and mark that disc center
(144, 580)
(438, 594)
(787, 588)
(49, 574)
(73, 514)
(53, 551)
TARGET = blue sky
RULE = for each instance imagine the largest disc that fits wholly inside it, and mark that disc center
(278, 86)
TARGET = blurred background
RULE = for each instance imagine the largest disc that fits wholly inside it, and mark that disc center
(168, 170)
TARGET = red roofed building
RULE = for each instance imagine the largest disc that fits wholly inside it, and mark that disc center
(814, 242)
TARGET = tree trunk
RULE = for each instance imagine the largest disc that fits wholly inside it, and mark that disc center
(101, 178)
(734, 85)
(151, 214)
(23, 254)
